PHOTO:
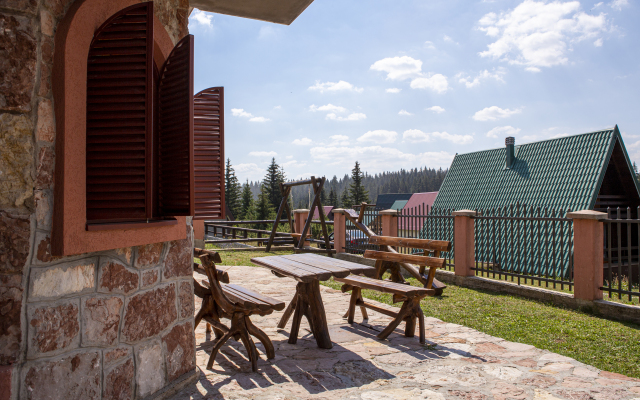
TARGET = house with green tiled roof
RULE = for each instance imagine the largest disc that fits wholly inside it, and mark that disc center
(591, 171)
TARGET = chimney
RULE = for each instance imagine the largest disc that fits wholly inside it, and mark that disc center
(511, 157)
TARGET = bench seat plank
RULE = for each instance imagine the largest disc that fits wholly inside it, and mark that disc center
(385, 286)
(259, 297)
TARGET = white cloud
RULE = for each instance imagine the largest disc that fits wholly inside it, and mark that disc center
(302, 142)
(618, 4)
(201, 18)
(374, 159)
(393, 90)
(239, 112)
(293, 164)
(289, 157)
(438, 83)
(277, 108)
(248, 171)
(449, 39)
(429, 45)
(350, 117)
(379, 136)
(598, 43)
(335, 87)
(417, 136)
(503, 131)
(436, 109)
(494, 113)
(497, 74)
(539, 34)
(267, 31)
(328, 107)
(404, 112)
(339, 140)
(263, 153)
(399, 68)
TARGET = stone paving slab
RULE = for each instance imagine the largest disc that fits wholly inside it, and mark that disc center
(456, 363)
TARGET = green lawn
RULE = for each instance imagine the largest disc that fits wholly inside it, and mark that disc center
(609, 345)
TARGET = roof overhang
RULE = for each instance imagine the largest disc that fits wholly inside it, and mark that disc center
(278, 11)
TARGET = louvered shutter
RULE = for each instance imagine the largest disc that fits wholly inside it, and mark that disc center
(175, 132)
(208, 132)
(119, 126)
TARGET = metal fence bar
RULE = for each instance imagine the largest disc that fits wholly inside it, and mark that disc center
(621, 248)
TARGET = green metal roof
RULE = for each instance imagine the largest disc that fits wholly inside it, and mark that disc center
(398, 204)
(564, 173)
(385, 201)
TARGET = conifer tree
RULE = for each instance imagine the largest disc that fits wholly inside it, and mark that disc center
(264, 210)
(357, 192)
(247, 212)
(231, 190)
(272, 180)
(333, 198)
(345, 201)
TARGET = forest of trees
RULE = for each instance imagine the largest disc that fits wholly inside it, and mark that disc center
(260, 200)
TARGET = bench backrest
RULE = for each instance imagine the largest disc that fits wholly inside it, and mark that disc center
(424, 244)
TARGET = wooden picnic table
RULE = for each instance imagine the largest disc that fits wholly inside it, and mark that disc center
(309, 270)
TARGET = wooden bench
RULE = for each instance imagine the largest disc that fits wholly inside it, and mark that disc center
(409, 295)
(237, 304)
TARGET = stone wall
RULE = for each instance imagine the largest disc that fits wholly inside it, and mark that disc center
(114, 324)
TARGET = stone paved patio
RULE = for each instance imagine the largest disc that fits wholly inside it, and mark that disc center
(457, 362)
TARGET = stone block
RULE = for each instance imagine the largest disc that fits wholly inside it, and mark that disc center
(149, 313)
(101, 320)
(53, 328)
(57, 7)
(75, 376)
(18, 57)
(179, 260)
(119, 382)
(125, 253)
(43, 209)
(46, 23)
(45, 128)
(43, 249)
(150, 277)
(186, 299)
(116, 278)
(148, 256)
(45, 80)
(113, 356)
(66, 279)
(16, 163)
(6, 372)
(28, 6)
(44, 168)
(14, 242)
(179, 346)
(150, 375)
(10, 322)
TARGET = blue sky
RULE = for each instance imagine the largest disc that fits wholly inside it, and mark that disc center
(407, 83)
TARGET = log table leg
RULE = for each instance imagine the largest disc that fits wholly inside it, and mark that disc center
(308, 303)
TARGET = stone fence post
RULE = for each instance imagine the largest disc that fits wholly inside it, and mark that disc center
(588, 254)
(299, 218)
(389, 222)
(339, 230)
(464, 239)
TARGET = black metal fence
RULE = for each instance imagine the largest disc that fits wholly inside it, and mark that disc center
(422, 223)
(621, 263)
(525, 244)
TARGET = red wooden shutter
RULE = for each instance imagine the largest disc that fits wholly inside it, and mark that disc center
(208, 132)
(119, 125)
(175, 132)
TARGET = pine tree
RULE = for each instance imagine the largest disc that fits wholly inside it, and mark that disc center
(323, 197)
(272, 180)
(264, 210)
(345, 201)
(357, 192)
(333, 198)
(247, 212)
(232, 190)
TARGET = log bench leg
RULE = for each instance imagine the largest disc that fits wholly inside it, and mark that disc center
(309, 303)
(240, 326)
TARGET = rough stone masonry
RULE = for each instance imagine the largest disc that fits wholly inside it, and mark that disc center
(110, 325)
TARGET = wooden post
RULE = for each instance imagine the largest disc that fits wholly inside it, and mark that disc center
(588, 254)
(389, 222)
(339, 230)
(300, 217)
(464, 243)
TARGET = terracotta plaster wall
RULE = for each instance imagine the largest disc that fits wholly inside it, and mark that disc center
(110, 324)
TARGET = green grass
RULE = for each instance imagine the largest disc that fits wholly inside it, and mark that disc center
(608, 345)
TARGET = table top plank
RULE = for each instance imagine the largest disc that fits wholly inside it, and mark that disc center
(319, 262)
(355, 268)
(277, 264)
(320, 273)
